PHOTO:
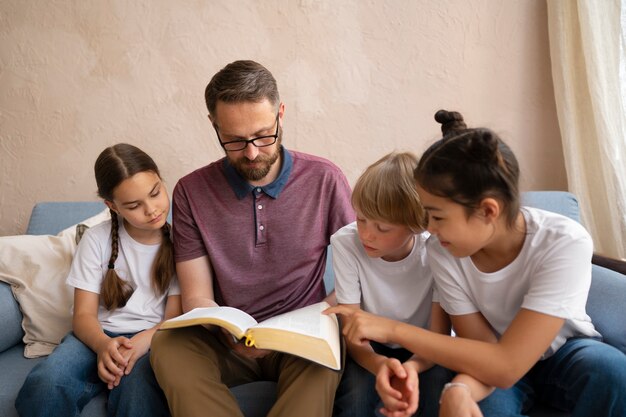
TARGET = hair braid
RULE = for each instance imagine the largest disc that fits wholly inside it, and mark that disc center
(115, 237)
(163, 267)
(115, 291)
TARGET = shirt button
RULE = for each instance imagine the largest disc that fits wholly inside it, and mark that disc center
(260, 207)
(258, 190)
(261, 227)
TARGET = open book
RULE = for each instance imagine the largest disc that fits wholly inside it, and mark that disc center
(305, 332)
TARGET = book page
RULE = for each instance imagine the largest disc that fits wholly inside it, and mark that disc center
(234, 320)
(307, 320)
(305, 332)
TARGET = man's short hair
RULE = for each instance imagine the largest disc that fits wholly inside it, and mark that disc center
(241, 81)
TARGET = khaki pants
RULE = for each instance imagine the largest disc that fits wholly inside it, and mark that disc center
(194, 368)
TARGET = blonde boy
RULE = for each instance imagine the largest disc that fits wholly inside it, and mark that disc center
(380, 266)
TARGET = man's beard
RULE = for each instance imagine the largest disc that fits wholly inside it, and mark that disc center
(266, 161)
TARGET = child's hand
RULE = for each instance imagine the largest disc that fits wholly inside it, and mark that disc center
(140, 345)
(360, 327)
(398, 388)
(126, 353)
(457, 402)
(111, 363)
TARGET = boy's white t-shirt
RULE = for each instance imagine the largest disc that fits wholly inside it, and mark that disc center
(144, 308)
(401, 290)
(551, 275)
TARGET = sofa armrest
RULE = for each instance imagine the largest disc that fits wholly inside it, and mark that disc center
(606, 305)
(609, 263)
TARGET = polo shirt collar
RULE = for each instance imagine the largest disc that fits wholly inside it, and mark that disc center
(242, 188)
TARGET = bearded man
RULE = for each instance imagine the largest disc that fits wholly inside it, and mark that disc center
(251, 232)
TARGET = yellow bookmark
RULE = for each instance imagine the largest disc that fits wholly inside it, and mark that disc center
(249, 340)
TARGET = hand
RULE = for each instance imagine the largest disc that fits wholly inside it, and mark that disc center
(111, 363)
(360, 327)
(126, 353)
(457, 402)
(140, 346)
(398, 388)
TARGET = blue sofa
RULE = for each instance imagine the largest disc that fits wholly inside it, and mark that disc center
(606, 304)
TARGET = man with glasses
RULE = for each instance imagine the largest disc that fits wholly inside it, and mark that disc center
(250, 231)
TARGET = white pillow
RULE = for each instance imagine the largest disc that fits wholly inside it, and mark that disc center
(36, 267)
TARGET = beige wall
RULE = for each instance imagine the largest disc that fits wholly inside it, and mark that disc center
(359, 79)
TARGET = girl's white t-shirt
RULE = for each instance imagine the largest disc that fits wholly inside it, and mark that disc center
(401, 290)
(144, 308)
(551, 275)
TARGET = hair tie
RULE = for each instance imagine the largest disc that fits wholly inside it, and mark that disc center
(111, 265)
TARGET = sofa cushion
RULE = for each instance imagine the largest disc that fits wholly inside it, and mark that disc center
(36, 267)
(562, 202)
(15, 368)
(255, 398)
(51, 217)
(10, 329)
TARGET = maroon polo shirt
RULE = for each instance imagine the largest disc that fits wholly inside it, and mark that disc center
(267, 245)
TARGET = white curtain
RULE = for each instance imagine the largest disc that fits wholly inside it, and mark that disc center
(589, 74)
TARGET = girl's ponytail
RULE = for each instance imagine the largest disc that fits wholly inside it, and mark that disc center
(115, 291)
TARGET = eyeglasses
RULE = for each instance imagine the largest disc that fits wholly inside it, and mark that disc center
(259, 142)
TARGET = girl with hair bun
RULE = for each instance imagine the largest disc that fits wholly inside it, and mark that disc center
(514, 281)
(124, 287)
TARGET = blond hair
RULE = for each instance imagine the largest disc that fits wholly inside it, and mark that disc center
(386, 192)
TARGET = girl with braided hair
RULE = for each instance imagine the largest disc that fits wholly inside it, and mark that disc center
(514, 281)
(124, 287)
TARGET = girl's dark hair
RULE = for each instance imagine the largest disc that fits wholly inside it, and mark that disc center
(114, 165)
(468, 165)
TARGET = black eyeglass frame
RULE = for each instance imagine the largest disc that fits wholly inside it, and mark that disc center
(244, 142)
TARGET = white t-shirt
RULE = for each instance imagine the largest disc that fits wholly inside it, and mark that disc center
(551, 275)
(144, 308)
(401, 290)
